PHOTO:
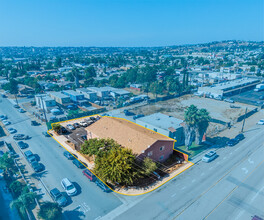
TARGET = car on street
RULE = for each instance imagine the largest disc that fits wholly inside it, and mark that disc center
(261, 122)
(34, 123)
(68, 155)
(58, 197)
(240, 137)
(71, 127)
(12, 130)
(21, 110)
(208, 157)
(232, 142)
(5, 122)
(78, 164)
(68, 186)
(46, 134)
(30, 156)
(22, 144)
(138, 116)
(3, 117)
(76, 125)
(83, 123)
(89, 175)
(104, 187)
(229, 100)
(20, 137)
(16, 106)
(37, 167)
(128, 113)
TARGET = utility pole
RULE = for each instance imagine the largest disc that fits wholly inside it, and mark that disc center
(244, 121)
(44, 111)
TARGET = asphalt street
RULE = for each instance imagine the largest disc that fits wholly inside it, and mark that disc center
(90, 202)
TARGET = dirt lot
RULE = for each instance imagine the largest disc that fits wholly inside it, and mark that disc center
(219, 110)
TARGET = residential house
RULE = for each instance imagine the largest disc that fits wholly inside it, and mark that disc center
(45, 101)
(60, 98)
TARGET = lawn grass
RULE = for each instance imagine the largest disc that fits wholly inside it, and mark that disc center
(193, 149)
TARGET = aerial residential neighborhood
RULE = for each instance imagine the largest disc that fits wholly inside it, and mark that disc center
(124, 110)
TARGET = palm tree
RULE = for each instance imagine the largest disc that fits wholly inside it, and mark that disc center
(50, 211)
(203, 123)
(23, 202)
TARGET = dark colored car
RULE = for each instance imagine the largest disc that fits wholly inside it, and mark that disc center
(20, 137)
(128, 113)
(89, 175)
(104, 187)
(68, 155)
(63, 130)
(34, 123)
(16, 106)
(240, 137)
(58, 197)
(30, 156)
(78, 164)
(37, 167)
(22, 144)
(232, 142)
(138, 116)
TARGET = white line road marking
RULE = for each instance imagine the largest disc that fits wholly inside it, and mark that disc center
(255, 196)
(250, 161)
(245, 170)
(173, 195)
(84, 208)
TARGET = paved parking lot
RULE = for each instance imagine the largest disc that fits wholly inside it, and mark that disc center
(249, 97)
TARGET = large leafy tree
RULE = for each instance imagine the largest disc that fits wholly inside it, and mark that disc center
(117, 165)
(149, 166)
(6, 162)
(50, 211)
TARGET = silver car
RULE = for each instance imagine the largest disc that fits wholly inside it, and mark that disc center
(211, 155)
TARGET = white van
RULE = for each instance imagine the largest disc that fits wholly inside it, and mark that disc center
(68, 187)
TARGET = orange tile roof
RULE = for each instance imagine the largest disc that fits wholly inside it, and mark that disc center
(126, 133)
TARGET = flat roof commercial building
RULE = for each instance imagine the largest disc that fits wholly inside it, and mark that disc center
(228, 88)
(60, 98)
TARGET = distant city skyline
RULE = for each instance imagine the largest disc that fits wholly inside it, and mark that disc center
(123, 23)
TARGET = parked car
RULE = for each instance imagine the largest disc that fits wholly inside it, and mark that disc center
(30, 156)
(89, 175)
(12, 130)
(76, 125)
(22, 144)
(20, 137)
(70, 127)
(83, 123)
(68, 187)
(58, 197)
(232, 142)
(229, 100)
(211, 155)
(46, 134)
(37, 167)
(63, 130)
(3, 117)
(34, 123)
(240, 137)
(5, 122)
(138, 116)
(128, 113)
(261, 122)
(68, 155)
(104, 187)
(84, 137)
(16, 106)
(21, 110)
(78, 164)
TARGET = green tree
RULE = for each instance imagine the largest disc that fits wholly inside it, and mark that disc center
(6, 162)
(202, 125)
(50, 211)
(89, 72)
(57, 128)
(16, 187)
(58, 62)
(149, 166)
(49, 66)
(117, 165)
(23, 202)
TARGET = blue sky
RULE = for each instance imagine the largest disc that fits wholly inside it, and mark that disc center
(128, 22)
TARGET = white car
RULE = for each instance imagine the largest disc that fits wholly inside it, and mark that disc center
(209, 156)
(5, 122)
(83, 123)
(68, 187)
(261, 122)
